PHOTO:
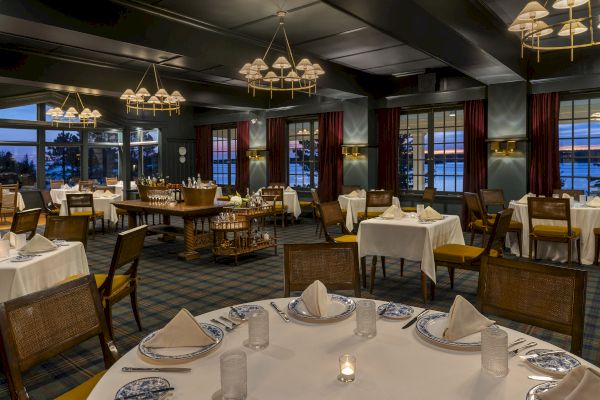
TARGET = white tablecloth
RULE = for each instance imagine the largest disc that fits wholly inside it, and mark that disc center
(409, 239)
(585, 218)
(353, 205)
(301, 362)
(290, 199)
(21, 278)
(119, 187)
(100, 204)
(59, 195)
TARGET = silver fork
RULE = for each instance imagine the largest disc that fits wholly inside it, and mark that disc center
(233, 323)
(228, 329)
(514, 352)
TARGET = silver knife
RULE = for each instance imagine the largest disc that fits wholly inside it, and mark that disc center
(412, 321)
(149, 369)
(535, 355)
(281, 313)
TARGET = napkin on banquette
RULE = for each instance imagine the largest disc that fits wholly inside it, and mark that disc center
(394, 212)
(464, 319)
(580, 384)
(523, 200)
(316, 299)
(182, 331)
(430, 213)
(38, 243)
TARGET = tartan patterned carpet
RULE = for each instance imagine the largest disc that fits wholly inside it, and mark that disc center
(168, 284)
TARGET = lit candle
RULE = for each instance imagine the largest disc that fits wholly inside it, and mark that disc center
(347, 368)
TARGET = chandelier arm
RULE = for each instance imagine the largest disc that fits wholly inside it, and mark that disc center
(272, 40)
(65, 102)
(143, 77)
(162, 86)
(591, 21)
(80, 102)
(289, 48)
(155, 76)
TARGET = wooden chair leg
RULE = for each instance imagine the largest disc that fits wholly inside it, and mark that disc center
(569, 252)
(363, 267)
(597, 249)
(102, 220)
(424, 286)
(93, 220)
(383, 265)
(451, 275)
(134, 307)
(520, 243)
(579, 251)
(402, 267)
(108, 317)
(530, 247)
(472, 236)
(373, 267)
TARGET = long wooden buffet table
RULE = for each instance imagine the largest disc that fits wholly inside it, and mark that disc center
(194, 239)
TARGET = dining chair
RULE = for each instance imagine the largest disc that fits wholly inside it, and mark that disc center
(334, 264)
(477, 219)
(26, 222)
(56, 184)
(85, 200)
(571, 192)
(69, 228)
(316, 201)
(105, 188)
(111, 181)
(37, 327)
(49, 207)
(427, 199)
(376, 198)
(86, 186)
(494, 198)
(9, 195)
(347, 189)
(276, 194)
(467, 257)
(551, 209)
(596, 245)
(546, 296)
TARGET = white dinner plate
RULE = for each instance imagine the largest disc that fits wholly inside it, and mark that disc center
(143, 385)
(341, 307)
(552, 364)
(181, 354)
(395, 311)
(541, 388)
(430, 328)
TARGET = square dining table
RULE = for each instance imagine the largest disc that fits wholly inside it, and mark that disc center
(410, 239)
(354, 204)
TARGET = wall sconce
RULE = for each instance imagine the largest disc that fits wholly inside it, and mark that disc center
(504, 147)
(353, 151)
(255, 154)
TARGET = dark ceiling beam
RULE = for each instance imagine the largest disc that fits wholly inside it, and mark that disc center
(54, 73)
(187, 37)
(461, 33)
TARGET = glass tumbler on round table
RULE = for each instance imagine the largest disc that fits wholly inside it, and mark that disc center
(233, 375)
(494, 351)
(258, 329)
(366, 318)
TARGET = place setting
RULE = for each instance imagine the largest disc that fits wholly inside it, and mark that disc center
(315, 305)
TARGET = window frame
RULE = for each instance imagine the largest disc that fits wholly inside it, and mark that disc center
(313, 122)
(231, 132)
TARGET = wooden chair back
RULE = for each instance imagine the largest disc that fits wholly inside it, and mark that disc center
(33, 199)
(26, 222)
(48, 203)
(378, 198)
(334, 264)
(67, 228)
(80, 200)
(347, 189)
(549, 208)
(315, 196)
(498, 232)
(41, 325)
(429, 196)
(56, 184)
(86, 186)
(128, 250)
(570, 192)
(112, 181)
(492, 198)
(474, 209)
(536, 294)
(273, 194)
(330, 214)
(8, 198)
(277, 185)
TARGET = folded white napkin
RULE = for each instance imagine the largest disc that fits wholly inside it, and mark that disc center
(464, 319)
(16, 240)
(38, 243)
(289, 189)
(98, 193)
(565, 196)
(523, 200)
(430, 213)
(182, 331)
(353, 194)
(108, 193)
(316, 299)
(595, 202)
(579, 384)
(394, 212)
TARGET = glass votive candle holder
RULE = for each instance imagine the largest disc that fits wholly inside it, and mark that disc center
(366, 318)
(494, 351)
(347, 368)
(233, 375)
(258, 330)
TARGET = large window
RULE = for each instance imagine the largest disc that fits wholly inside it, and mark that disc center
(303, 145)
(579, 144)
(24, 113)
(18, 156)
(224, 156)
(431, 150)
(63, 155)
(103, 154)
(145, 153)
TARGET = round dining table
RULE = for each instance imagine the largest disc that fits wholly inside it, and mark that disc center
(301, 362)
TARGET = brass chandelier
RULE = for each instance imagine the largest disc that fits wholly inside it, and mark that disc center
(532, 28)
(72, 117)
(140, 99)
(285, 75)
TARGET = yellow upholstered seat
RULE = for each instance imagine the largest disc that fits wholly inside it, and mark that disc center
(223, 198)
(82, 391)
(459, 253)
(98, 213)
(370, 214)
(280, 207)
(120, 282)
(409, 209)
(346, 239)
(596, 231)
(304, 203)
(554, 231)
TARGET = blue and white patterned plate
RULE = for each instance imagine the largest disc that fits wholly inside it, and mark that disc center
(181, 354)
(21, 258)
(430, 327)
(143, 385)
(245, 310)
(341, 308)
(395, 311)
(541, 388)
(553, 364)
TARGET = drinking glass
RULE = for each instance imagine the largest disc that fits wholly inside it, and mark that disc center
(258, 329)
(494, 351)
(420, 209)
(233, 375)
(366, 318)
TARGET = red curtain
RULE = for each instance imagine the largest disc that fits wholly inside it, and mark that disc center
(331, 136)
(242, 176)
(475, 177)
(276, 146)
(388, 120)
(544, 174)
(204, 152)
